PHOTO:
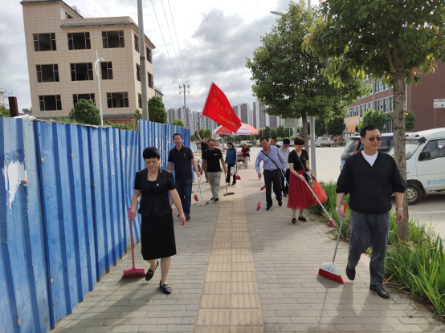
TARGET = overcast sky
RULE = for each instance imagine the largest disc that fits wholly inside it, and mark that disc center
(215, 38)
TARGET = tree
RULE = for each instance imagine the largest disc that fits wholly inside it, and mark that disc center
(4, 112)
(335, 126)
(290, 81)
(137, 116)
(156, 110)
(390, 39)
(178, 122)
(320, 127)
(85, 112)
(373, 117)
(410, 119)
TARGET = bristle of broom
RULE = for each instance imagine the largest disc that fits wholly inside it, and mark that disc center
(333, 223)
(330, 276)
(132, 275)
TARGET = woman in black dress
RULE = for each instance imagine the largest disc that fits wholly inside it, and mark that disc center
(300, 196)
(157, 231)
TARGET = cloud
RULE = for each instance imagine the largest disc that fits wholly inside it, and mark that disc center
(215, 40)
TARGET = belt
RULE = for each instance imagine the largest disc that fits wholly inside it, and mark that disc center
(271, 170)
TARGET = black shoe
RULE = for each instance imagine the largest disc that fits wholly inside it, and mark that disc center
(212, 198)
(268, 208)
(301, 218)
(165, 288)
(280, 203)
(294, 220)
(215, 199)
(285, 195)
(378, 288)
(150, 273)
(178, 215)
(187, 218)
(350, 273)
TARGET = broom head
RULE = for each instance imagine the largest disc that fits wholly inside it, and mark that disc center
(133, 273)
(196, 197)
(331, 272)
(333, 224)
(259, 205)
(237, 177)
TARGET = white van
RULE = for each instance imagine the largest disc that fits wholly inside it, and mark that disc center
(425, 163)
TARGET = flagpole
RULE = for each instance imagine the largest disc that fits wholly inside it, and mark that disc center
(205, 101)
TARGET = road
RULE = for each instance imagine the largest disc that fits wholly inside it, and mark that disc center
(430, 210)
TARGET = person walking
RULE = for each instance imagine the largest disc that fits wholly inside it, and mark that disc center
(204, 146)
(370, 177)
(231, 162)
(180, 158)
(272, 161)
(211, 159)
(284, 151)
(300, 196)
(157, 230)
(246, 154)
(274, 142)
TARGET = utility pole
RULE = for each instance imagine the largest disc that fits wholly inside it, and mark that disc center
(185, 104)
(143, 69)
(313, 162)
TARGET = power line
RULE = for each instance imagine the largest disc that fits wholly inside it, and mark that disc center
(177, 41)
(168, 54)
(173, 44)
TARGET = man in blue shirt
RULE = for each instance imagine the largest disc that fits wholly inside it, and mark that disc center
(272, 160)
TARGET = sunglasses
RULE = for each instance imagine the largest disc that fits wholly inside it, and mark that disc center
(372, 139)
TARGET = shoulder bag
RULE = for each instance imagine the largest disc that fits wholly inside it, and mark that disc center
(307, 174)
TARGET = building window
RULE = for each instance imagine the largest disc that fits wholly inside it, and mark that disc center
(82, 72)
(140, 101)
(369, 105)
(68, 16)
(45, 42)
(79, 41)
(117, 100)
(47, 73)
(391, 103)
(78, 97)
(136, 43)
(113, 39)
(138, 72)
(148, 54)
(50, 103)
(107, 70)
(150, 80)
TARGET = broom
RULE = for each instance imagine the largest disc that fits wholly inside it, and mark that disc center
(259, 190)
(132, 272)
(227, 193)
(199, 189)
(330, 271)
(330, 218)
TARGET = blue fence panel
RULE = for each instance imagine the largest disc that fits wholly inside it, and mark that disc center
(24, 305)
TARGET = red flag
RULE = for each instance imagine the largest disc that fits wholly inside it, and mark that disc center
(218, 108)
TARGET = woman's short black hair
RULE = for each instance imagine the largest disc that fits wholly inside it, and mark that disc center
(286, 142)
(151, 152)
(299, 141)
(230, 143)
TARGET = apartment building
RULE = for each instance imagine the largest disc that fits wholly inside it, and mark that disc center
(418, 99)
(62, 46)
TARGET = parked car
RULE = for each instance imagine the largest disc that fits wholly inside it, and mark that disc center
(249, 143)
(323, 141)
(425, 163)
(354, 145)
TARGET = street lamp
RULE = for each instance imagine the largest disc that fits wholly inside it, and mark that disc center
(277, 13)
(96, 68)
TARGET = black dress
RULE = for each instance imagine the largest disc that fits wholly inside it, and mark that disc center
(157, 232)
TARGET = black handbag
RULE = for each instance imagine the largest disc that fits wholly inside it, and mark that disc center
(307, 174)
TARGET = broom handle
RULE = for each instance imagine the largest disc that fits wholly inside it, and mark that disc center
(131, 234)
(259, 189)
(339, 233)
(319, 201)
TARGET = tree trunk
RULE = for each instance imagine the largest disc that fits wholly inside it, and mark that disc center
(304, 132)
(399, 141)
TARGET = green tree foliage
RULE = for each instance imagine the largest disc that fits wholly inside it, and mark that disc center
(137, 116)
(122, 126)
(291, 81)
(335, 126)
(373, 117)
(4, 112)
(156, 110)
(205, 133)
(410, 119)
(320, 127)
(85, 112)
(391, 39)
(178, 122)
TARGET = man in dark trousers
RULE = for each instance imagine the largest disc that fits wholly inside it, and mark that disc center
(211, 160)
(370, 177)
(204, 146)
(180, 157)
(272, 161)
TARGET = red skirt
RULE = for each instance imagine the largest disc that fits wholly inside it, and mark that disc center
(300, 197)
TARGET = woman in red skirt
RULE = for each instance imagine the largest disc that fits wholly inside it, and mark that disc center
(300, 196)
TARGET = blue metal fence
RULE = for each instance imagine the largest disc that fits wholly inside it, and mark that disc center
(65, 193)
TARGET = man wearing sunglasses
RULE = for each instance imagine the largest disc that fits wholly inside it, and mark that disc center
(370, 177)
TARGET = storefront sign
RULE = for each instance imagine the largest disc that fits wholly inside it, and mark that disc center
(439, 103)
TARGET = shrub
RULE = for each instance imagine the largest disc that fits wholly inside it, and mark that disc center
(120, 125)
(85, 112)
(4, 112)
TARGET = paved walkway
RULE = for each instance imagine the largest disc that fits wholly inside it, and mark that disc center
(241, 270)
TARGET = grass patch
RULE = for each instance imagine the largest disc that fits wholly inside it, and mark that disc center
(416, 266)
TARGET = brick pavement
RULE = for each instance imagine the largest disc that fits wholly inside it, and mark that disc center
(239, 270)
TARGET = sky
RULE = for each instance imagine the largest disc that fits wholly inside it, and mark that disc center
(215, 38)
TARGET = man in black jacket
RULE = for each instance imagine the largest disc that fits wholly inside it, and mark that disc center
(370, 177)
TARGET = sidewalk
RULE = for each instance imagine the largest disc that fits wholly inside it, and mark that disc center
(241, 270)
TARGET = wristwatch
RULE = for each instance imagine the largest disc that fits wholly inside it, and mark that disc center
(399, 208)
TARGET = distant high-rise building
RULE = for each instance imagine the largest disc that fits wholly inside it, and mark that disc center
(178, 113)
